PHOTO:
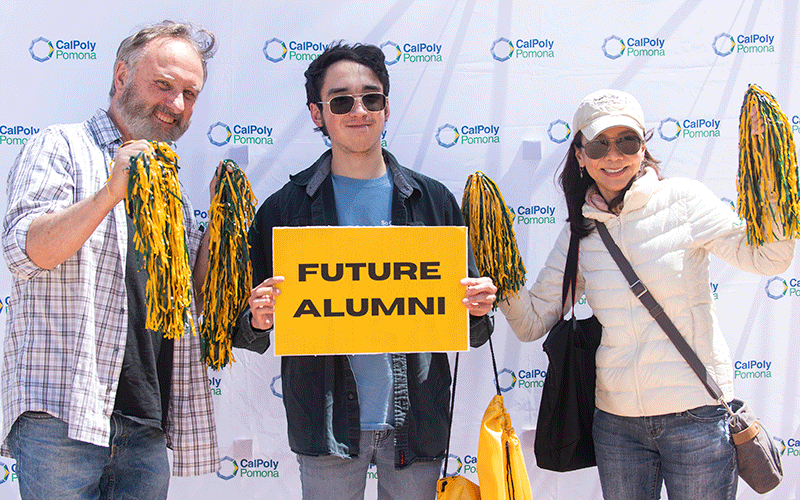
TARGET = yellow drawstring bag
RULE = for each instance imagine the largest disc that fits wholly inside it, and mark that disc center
(457, 488)
(501, 464)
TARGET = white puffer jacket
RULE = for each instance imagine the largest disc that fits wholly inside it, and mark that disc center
(666, 230)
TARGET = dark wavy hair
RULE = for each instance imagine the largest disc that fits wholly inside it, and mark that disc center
(576, 184)
(370, 56)
(132, 48)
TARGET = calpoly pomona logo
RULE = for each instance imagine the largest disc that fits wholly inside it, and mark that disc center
(752, 369)
(201, 216)
(417, 52)
(670, 128)
(533, 214)
(615, 47)
(228, 468)
(504, 49)
(521, 379)
(791, 447)
(220, 134)
(276, 50)
(8, 472)
(42, 49)
(258, 468)
(559, 131)
(448, 135)
(16, 135)
(273, 386)
(459, 464)
(468, 464)
(725, 44)
(245, 468)
(777, 287)
(214, 384)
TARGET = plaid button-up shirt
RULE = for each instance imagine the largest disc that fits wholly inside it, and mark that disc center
(67, 327)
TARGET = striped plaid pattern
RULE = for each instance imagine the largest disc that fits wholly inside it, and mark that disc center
(67, 327)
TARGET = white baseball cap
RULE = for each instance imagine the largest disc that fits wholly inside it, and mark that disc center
(608, 108)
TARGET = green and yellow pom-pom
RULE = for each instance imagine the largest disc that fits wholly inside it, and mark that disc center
(154, 203)
(230, 273)
(491, 234)
(767, 183)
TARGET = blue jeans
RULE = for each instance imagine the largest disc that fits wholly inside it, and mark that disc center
(328, 477)
(691, 452)
(51, 465)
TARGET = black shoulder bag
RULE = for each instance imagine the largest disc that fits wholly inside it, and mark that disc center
(564, 426)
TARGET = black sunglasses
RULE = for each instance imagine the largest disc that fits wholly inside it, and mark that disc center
(343, 104)
(598, 148)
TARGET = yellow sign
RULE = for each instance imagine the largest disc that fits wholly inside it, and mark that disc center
(355, 290)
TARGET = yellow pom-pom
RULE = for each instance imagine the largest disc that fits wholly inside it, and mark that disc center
(230, 273)
(154, 203)
(491, 234)
(767, 183)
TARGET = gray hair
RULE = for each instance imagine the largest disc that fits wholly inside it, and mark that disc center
(132, 48)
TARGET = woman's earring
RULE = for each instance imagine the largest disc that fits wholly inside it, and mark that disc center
(583, 171)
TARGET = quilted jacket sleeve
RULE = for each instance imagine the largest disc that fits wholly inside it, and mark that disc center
(533, 312)
(717, 229)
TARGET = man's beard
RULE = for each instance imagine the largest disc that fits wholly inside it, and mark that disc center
(138, 119)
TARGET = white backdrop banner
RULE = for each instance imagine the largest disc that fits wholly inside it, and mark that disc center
(485, 85)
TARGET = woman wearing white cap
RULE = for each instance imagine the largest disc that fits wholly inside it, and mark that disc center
(654, 422)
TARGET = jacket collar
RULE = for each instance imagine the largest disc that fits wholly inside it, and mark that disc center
(313, 177)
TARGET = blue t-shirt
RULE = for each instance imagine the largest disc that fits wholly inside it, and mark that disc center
(368, 202)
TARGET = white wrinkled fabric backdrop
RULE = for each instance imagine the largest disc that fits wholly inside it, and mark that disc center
(485, 85)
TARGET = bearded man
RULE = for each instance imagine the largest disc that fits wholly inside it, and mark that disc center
(91, 398)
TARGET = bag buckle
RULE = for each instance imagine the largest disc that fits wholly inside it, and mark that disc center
(724, 403)
(638, 288)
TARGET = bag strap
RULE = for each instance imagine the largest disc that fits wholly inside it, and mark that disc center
(494, 365)
(450, 418)
(570, 272)
(643, 294)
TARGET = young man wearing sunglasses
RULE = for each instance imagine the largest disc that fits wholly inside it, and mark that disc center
(389, 410)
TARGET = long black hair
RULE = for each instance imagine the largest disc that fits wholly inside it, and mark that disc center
(575, 184)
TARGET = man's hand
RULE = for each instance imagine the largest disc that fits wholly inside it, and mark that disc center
(212, 186)
(262, 303)
(480, 295)
(118, 182)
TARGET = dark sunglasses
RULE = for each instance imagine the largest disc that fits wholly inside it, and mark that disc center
(343, 104)
(598, 148)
